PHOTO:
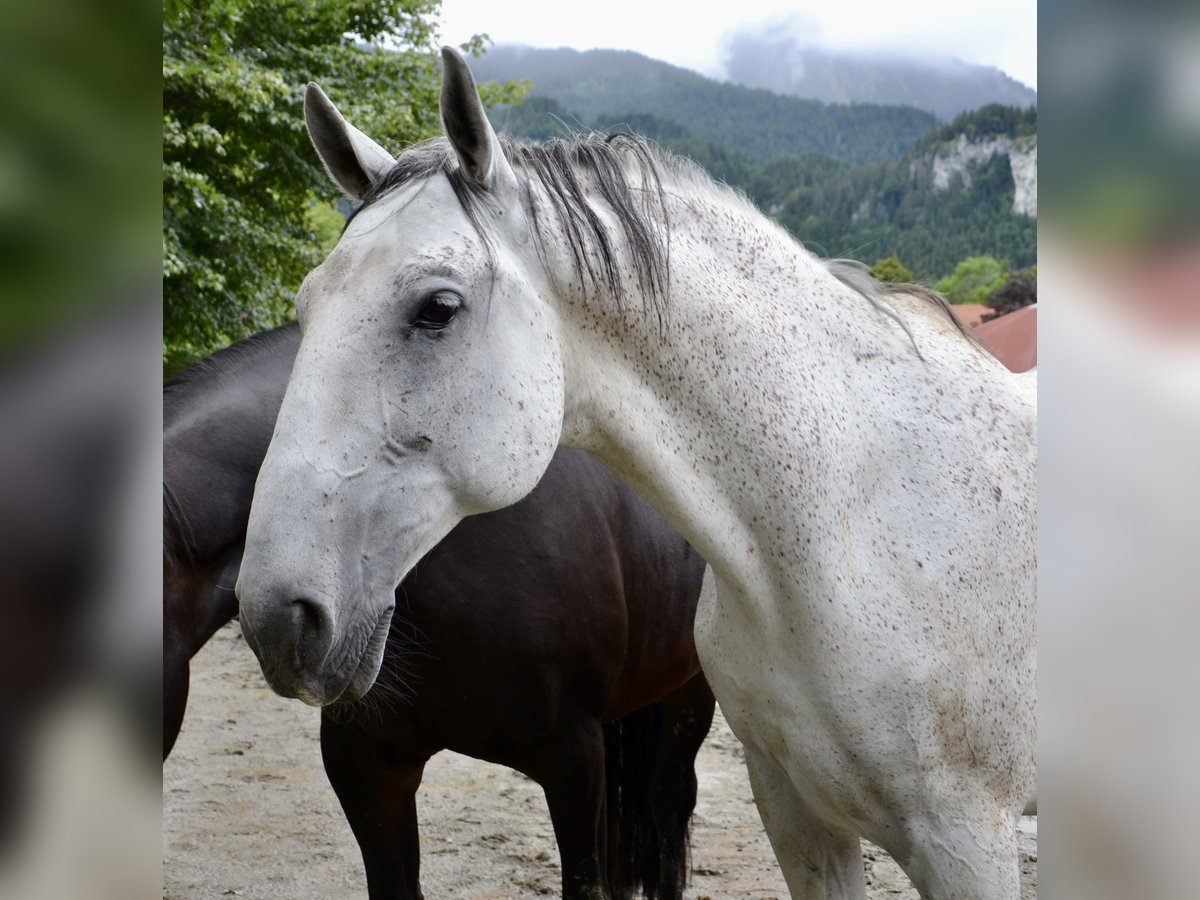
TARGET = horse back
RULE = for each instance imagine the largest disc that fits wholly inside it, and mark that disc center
(218, 418)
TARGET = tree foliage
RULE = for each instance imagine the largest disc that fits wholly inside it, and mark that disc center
(244, 197)
(974, 280)
(992, 120)
(862, 211)
(891, 270)
(1020, 290)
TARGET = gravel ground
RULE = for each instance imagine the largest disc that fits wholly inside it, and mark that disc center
(247, 811)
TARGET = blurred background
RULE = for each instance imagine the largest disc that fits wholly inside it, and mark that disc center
(1119, 258)
(80, 377)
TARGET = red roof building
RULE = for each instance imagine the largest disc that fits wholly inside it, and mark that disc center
(970, 314)
(1012, 338)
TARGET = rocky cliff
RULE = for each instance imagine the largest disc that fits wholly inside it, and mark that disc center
(960, 156)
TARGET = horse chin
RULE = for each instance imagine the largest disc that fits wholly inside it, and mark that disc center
(335, 690)
(368, 668)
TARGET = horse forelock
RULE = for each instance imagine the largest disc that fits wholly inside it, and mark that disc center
(555, 182)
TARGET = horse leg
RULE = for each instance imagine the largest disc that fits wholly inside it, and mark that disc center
(571, 773)
(970, 854)
(817, 861)
(687, 716)
(175, 678)
(377, 788)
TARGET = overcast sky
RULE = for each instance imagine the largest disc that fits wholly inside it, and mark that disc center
(1000, 33)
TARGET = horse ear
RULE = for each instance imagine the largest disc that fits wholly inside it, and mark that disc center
(468, 128)
(351, 158)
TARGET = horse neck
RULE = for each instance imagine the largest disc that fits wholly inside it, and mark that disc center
(215, 434)
(770, 389)
(675, 409)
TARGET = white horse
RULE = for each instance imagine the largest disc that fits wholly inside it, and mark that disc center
(857, 472)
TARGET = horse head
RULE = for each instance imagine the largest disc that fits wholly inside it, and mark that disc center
(429, 385)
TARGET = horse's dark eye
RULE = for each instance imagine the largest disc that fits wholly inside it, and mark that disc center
(438, 311)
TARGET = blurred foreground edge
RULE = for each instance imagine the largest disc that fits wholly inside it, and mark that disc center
(80, 607)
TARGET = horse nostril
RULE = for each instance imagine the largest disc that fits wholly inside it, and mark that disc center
(314, 632)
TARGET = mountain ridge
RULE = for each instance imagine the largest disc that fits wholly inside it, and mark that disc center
(758, 123)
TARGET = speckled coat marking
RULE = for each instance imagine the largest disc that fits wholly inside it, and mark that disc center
(869, 512)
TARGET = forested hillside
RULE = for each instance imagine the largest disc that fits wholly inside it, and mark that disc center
(864, 212)
(759, 124)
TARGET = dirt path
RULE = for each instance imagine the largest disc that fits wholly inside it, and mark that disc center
(247, 811)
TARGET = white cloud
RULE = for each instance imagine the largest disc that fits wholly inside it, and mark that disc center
(1001, 33)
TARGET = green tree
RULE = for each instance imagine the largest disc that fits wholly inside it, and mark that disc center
(891, 270)
(245, 202)
(974, 280)
(1020, 290)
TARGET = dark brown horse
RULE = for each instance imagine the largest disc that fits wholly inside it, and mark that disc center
(554, 637)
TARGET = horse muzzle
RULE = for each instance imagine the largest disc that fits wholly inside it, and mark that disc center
(301, 652)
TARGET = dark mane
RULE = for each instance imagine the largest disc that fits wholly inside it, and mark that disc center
(564, 170)
(211, 369)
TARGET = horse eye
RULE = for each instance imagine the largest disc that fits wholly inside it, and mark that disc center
(438, 311)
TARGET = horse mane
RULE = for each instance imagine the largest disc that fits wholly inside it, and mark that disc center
(625, 169)
(855, 275)
(628, 171)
